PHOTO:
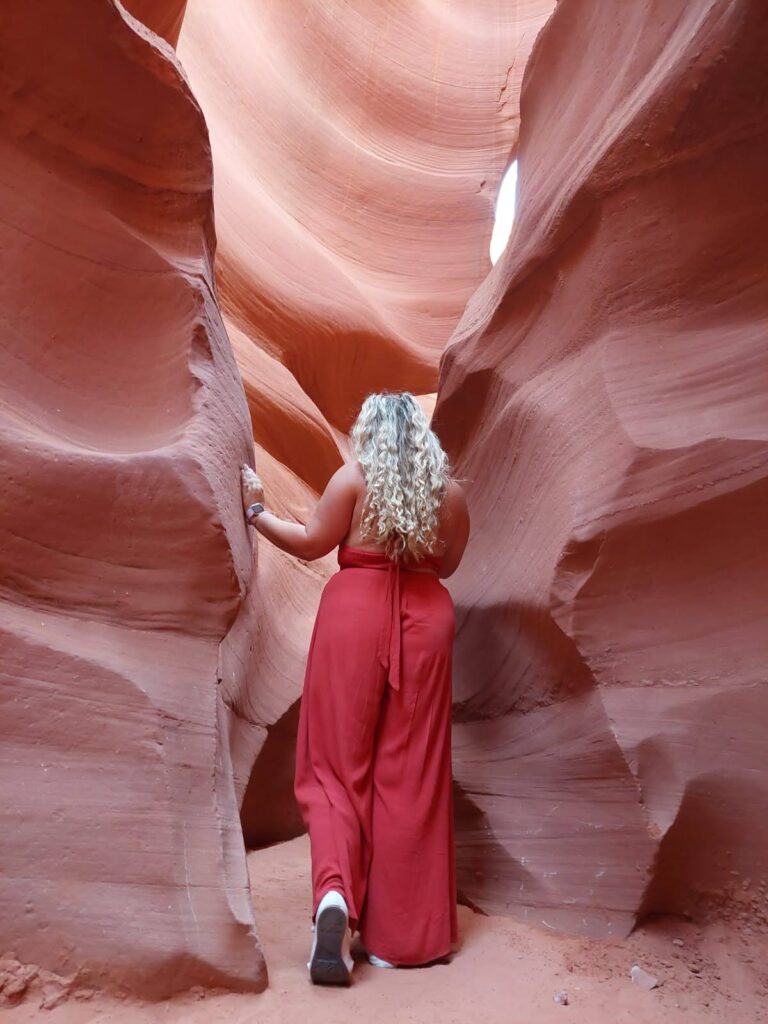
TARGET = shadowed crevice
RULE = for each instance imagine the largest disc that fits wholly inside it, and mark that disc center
(269, 812)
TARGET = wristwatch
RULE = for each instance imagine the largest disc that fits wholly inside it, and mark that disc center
(253, 512)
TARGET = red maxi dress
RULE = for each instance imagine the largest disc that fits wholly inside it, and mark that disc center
(373, 756)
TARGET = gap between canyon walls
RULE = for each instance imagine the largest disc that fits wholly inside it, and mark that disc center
(610, 680)
(557, 403)
(354, 207)
(124, 553)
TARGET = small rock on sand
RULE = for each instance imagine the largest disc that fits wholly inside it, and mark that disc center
(643, 978)
(561, 998)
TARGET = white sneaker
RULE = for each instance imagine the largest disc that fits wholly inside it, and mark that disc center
(378, 962)
(330, 962)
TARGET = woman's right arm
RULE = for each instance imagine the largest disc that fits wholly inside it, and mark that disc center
(327, 526)
(456, 529)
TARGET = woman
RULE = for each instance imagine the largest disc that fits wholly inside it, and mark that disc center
(373, 756)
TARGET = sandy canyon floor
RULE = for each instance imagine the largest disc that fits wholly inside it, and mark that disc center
(505, 973)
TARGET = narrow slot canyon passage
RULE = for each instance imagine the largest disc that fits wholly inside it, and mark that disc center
(224, 227)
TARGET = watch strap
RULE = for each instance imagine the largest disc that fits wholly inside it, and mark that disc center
(254, 511)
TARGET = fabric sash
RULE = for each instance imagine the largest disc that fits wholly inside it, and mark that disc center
(390, 640)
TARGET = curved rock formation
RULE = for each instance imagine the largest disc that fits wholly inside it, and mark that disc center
(605, 399)
(357, 148)
(163, 16)
(142, 674)
(357, 151)
(124, 554)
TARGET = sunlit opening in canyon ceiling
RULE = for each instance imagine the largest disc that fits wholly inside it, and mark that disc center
(504, 215)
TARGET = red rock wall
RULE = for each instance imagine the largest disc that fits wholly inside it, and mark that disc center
(124, 554)
(357, 147)
(357, 150)
(354, 198)
(605, 399)
(163, 16)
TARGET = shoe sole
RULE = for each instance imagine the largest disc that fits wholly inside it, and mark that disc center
(327, 966)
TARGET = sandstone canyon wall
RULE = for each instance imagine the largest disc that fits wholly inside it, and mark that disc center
(357, 150)
(124, 554)
(604, 398)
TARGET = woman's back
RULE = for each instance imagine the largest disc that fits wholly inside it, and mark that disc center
(452, 517)
(396, 497)
(405, 501)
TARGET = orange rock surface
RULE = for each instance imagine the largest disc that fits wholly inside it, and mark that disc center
(124, 553)
(357, 150)
(605, 399)
(163, 16)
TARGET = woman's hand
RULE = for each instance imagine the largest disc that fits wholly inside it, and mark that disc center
(252, 487)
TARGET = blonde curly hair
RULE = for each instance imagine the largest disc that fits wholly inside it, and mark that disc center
(406, 474)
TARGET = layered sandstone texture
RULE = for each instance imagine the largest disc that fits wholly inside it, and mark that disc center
(604, 397)
(357, 149)
(125, 559)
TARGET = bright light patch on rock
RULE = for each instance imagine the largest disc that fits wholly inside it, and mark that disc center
(505, 212)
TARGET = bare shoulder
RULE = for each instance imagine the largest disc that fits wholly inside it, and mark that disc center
(348, 477)
(355, 471)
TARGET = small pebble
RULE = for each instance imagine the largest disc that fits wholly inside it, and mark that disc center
(677, 942)
(643, 978)
(561, 998)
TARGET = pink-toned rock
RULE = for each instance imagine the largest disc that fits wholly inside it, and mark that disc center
(604, 397)
(357, 148)
(357, 151)
(125, 558)
(143, 675)
(163, 16)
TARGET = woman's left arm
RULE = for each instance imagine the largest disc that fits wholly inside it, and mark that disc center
(328, 525)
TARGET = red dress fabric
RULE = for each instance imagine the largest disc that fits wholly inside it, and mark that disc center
(373, 757)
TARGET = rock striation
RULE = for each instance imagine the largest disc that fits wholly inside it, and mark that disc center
(358, 147)
(124, 555)
(357, 151)
(604, 397)
(357, 158)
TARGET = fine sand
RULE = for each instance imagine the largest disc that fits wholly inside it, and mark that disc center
(505, 973)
